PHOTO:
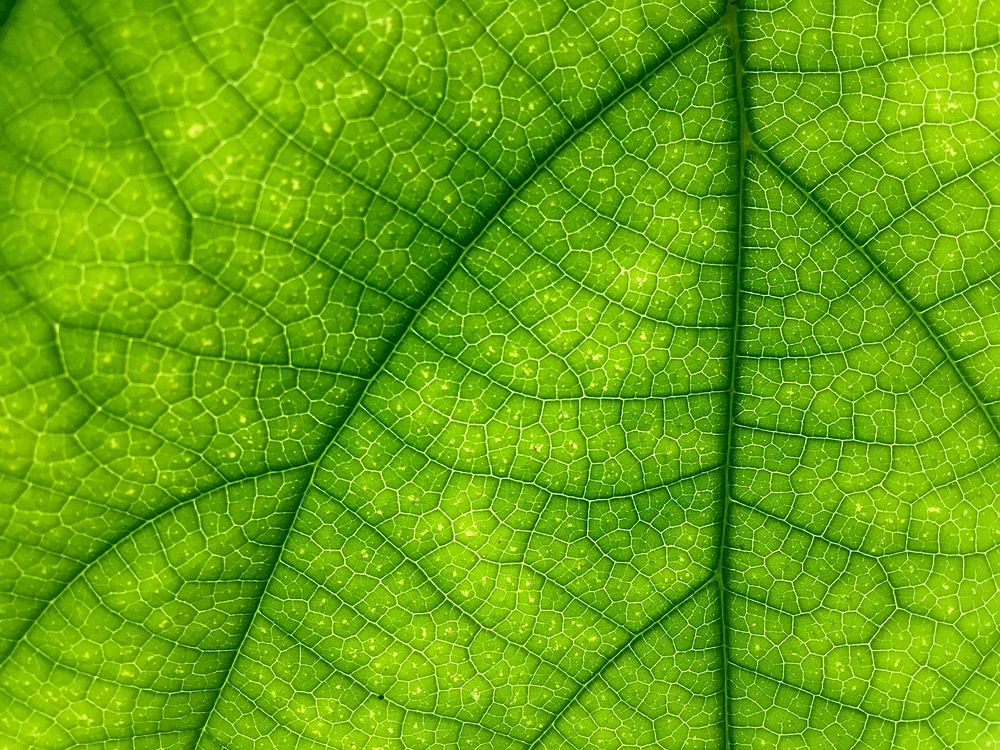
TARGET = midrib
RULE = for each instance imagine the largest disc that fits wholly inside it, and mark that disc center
(731, 24)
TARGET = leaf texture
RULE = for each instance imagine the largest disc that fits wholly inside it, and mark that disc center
(528, 375)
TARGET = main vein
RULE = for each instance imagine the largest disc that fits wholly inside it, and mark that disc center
(743, 133)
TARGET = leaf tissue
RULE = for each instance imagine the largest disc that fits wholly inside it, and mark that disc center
(500, 374)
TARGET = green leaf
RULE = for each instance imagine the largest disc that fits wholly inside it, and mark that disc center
(500, 374)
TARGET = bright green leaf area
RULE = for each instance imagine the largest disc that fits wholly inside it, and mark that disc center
(500, 374)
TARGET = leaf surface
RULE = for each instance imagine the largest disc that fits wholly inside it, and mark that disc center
(500, 375)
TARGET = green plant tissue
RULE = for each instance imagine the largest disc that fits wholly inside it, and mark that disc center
(500, 374)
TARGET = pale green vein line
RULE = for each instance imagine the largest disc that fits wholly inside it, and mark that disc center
(935, 55)
(816, 535)
(229, 359)
(611, 660)
(400, 95)
(456, 603)
(143, 523)
(879, 267)
(350, 677)
(815, 695)
(918, 205)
